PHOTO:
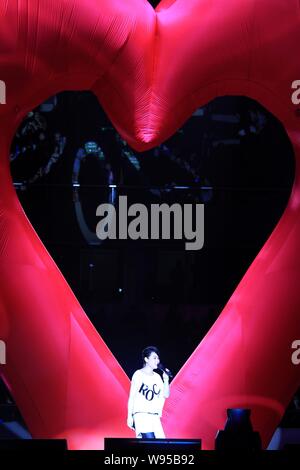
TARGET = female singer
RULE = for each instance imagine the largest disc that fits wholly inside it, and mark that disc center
(147, 396)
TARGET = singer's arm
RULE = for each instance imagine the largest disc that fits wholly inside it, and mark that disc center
(133, 391)
(166, 385)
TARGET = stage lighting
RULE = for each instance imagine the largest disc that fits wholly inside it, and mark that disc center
(238, 432)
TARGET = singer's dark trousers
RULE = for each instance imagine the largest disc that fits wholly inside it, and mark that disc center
(148, 435)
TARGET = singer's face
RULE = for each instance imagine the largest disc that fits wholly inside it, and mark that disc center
(153, 360)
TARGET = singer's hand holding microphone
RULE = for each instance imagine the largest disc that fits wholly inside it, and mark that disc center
(165, 377)
(166, 373)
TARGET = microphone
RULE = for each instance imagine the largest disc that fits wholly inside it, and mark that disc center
(162, 368)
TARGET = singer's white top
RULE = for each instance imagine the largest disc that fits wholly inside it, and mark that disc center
(146, 393)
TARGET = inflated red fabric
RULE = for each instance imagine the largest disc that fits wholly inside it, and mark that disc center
(150, 70)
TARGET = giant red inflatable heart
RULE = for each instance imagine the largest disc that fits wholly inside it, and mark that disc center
(150, 70)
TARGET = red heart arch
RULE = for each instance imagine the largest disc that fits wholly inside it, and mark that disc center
(150, 69)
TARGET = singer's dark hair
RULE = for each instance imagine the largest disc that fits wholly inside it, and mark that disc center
(147, 351)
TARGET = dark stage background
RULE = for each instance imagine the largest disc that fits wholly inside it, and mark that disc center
(231, 155)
